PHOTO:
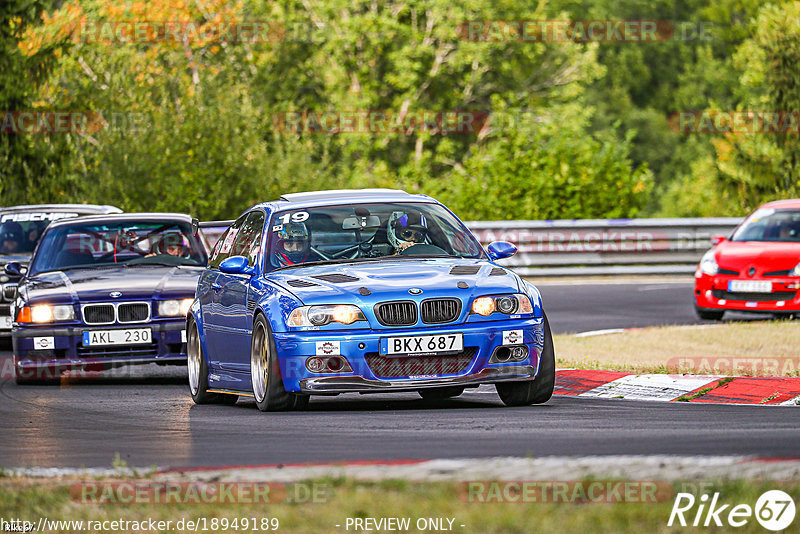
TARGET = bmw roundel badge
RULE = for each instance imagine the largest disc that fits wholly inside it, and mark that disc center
(415, 291)
(115, 294)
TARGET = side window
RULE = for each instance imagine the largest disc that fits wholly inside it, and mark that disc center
(224, 244)
(248, 241)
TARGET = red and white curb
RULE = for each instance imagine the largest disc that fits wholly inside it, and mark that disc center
(690, 388)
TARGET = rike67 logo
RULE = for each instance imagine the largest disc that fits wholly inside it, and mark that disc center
(774, 510)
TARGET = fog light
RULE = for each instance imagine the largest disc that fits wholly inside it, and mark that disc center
(518, 353)
(332, 364)
(315, 365)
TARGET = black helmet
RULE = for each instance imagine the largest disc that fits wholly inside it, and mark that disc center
(294, 232)
(171, 239)
(11, 231)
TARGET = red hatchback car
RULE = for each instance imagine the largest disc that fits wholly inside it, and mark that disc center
(757, 269)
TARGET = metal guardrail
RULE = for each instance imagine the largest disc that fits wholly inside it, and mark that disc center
(614, 247)
(605, 246)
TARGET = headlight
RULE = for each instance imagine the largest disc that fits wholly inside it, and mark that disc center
(795, 271)
(174, 308)
(505, 304)
(322, 315)
(708, 265)
(44, 313)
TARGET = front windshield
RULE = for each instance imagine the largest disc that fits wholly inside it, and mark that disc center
(769, 224)
(20, 231)
(367, 231)
(114, 243)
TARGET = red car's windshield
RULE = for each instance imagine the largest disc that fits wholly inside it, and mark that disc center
(768, 224)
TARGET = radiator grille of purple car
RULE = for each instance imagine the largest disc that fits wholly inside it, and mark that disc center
(10, 292)
(400, 313)
(98, 314)
(135, 312)
(417, 366)
(435, 311)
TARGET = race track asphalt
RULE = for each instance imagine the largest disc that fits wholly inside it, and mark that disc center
(147, 418)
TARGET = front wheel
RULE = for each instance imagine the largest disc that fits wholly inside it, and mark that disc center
(265, 373)
(198, 372)
(538, 390)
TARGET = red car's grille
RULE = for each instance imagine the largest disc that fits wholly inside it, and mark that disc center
(400, 367)
(754, 297)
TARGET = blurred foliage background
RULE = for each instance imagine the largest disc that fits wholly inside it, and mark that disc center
(577, 130)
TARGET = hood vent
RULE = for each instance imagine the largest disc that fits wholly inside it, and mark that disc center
(461, 270)
(336, 278)
(364, 291)
(498, 271)
(301, 283)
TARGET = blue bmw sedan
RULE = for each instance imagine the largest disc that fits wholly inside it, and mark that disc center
(362, 291)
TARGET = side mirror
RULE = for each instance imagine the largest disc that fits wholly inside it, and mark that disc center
(15, 269)
(717, 239)
(501, 249)
(236, 265)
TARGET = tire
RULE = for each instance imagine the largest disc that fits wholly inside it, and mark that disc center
(540, 389)
(198, 372)
(265, 373)
(709, 315)
(441, 393)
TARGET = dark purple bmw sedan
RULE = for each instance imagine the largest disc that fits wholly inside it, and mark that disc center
(104, 291)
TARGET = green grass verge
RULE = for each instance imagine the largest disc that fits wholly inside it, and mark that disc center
(31, 499)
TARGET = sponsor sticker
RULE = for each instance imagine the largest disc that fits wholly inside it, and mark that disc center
(44, 343)
(183, 336)
(328, 348)
(512, 337)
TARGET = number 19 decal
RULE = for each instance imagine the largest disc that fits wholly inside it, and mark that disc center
(298, 216)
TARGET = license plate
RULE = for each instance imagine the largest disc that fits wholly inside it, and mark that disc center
(133, 336)
(5, 323)
(416, 345)
(750, 286)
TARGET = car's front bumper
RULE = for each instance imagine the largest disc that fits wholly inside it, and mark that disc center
(711, 293)
(361, 347)
(359, 384)
(66, 351)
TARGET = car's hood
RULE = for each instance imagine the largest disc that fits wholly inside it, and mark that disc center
(763, 255)
(371, 282)
(95, 284)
